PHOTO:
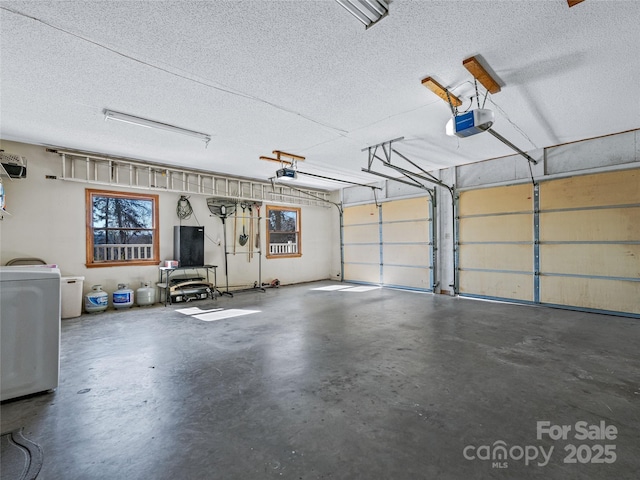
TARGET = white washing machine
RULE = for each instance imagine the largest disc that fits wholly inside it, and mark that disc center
(29, 330)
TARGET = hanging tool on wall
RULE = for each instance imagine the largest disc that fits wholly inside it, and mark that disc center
(258, 232)
(242, 240)
(235, 228)
(250, 242)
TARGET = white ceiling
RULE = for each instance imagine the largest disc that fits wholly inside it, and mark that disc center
(306, 77)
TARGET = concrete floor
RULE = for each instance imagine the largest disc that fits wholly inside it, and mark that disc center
(383, 384)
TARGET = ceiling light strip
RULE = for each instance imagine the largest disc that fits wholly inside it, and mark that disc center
(379, 6)
(355, 12)
(145, 122)
(369, 12)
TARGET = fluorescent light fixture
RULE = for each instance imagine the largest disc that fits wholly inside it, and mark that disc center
(369, 12)
(145, 122)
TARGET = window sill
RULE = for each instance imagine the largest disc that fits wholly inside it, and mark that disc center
(284, 255)
(149, 263)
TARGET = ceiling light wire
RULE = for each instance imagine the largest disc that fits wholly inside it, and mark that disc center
(486, 94)
(520, 131)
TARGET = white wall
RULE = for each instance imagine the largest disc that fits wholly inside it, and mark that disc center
(48, 221)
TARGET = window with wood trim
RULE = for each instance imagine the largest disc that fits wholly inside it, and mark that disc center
(121, 228)
(283, 232)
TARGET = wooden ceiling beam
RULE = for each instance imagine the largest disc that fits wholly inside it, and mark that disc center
(279, 153)
(270, 159)
(480, 73)
(440, 91)
(574, 2)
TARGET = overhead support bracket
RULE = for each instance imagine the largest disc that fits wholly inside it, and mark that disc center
(414, 179)
(386, 149)
(399, 180)
(512, 146)
(430, 178)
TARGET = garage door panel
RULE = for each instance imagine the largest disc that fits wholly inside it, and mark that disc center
(405, 232)
(513, 198)
(612, 295)
(497, 284)
(362, 273)
(417, 255)
(362, 253)
(608, 224)
(498, 239)
(360, 214)
(589, 238)
(401, 228)
(611, 188)
(405, 243)
(362, 234)
(410, 209)
(497, 257)
(407, 277)
(591, 259)
(502, 228)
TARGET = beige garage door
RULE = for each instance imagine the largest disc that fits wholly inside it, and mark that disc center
(361, 240)
(590, 242)
(496, 248)
(390, 245)
(406, 243)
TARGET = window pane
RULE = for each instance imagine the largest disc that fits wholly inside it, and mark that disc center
(137, 237)
(283, 220)
(99, 212)
(283, 238)
(123, 228)
(129, 213)
(99, 237)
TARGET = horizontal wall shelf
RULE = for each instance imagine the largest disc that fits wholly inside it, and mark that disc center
(118, 172)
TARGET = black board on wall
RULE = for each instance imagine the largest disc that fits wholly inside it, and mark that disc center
(188, 246)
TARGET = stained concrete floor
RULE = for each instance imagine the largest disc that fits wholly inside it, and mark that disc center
(383, 384)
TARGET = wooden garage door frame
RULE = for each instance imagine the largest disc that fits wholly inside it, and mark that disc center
(380, 243)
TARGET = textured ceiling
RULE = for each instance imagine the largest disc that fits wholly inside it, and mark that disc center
(306, 77)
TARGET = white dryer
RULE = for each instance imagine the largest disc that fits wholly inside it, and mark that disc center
(29, 330)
